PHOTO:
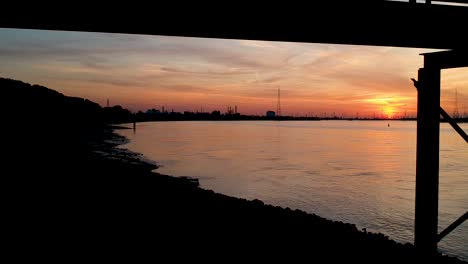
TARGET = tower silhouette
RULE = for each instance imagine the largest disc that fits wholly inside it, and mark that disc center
(455, 109)
(278, 107)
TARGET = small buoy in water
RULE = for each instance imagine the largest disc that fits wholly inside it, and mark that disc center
(388, 124)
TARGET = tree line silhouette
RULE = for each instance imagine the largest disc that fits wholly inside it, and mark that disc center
(24, 102)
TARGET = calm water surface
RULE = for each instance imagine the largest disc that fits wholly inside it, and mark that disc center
(361, 172)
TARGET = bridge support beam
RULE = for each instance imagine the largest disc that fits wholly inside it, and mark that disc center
(427, 160)
(427, 149)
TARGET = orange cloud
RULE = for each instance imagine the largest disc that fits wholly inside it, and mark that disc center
(142, 72)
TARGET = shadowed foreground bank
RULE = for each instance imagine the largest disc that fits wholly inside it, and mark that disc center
(71, 194)
(97, 198)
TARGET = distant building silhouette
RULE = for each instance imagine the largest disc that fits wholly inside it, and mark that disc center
(270, 114)
(153, 111)
(231, 111)
(278, 107)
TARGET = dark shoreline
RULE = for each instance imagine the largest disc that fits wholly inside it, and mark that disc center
(263, 224)
(71, 193)
(75, 193)
(460, 121)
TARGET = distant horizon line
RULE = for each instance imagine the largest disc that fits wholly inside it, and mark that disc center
(321, 114)
(308, 116)
(156, 115)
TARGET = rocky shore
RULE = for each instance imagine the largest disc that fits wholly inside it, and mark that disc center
(77, 200)
(131, 203)
(71, 194)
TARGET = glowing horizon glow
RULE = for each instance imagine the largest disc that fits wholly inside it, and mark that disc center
(141, 72)
(390, 107)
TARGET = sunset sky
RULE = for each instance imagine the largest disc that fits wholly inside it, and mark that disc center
(185, 74)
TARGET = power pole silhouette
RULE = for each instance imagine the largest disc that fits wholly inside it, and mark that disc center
(278, 107)
(455, 110)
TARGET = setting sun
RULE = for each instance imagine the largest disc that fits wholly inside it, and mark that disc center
(388, 112)
(390, 106)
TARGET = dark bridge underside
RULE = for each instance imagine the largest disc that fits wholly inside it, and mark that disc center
(374, 22)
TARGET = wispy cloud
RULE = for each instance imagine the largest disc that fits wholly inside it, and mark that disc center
(189, 72)
(188, 89)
